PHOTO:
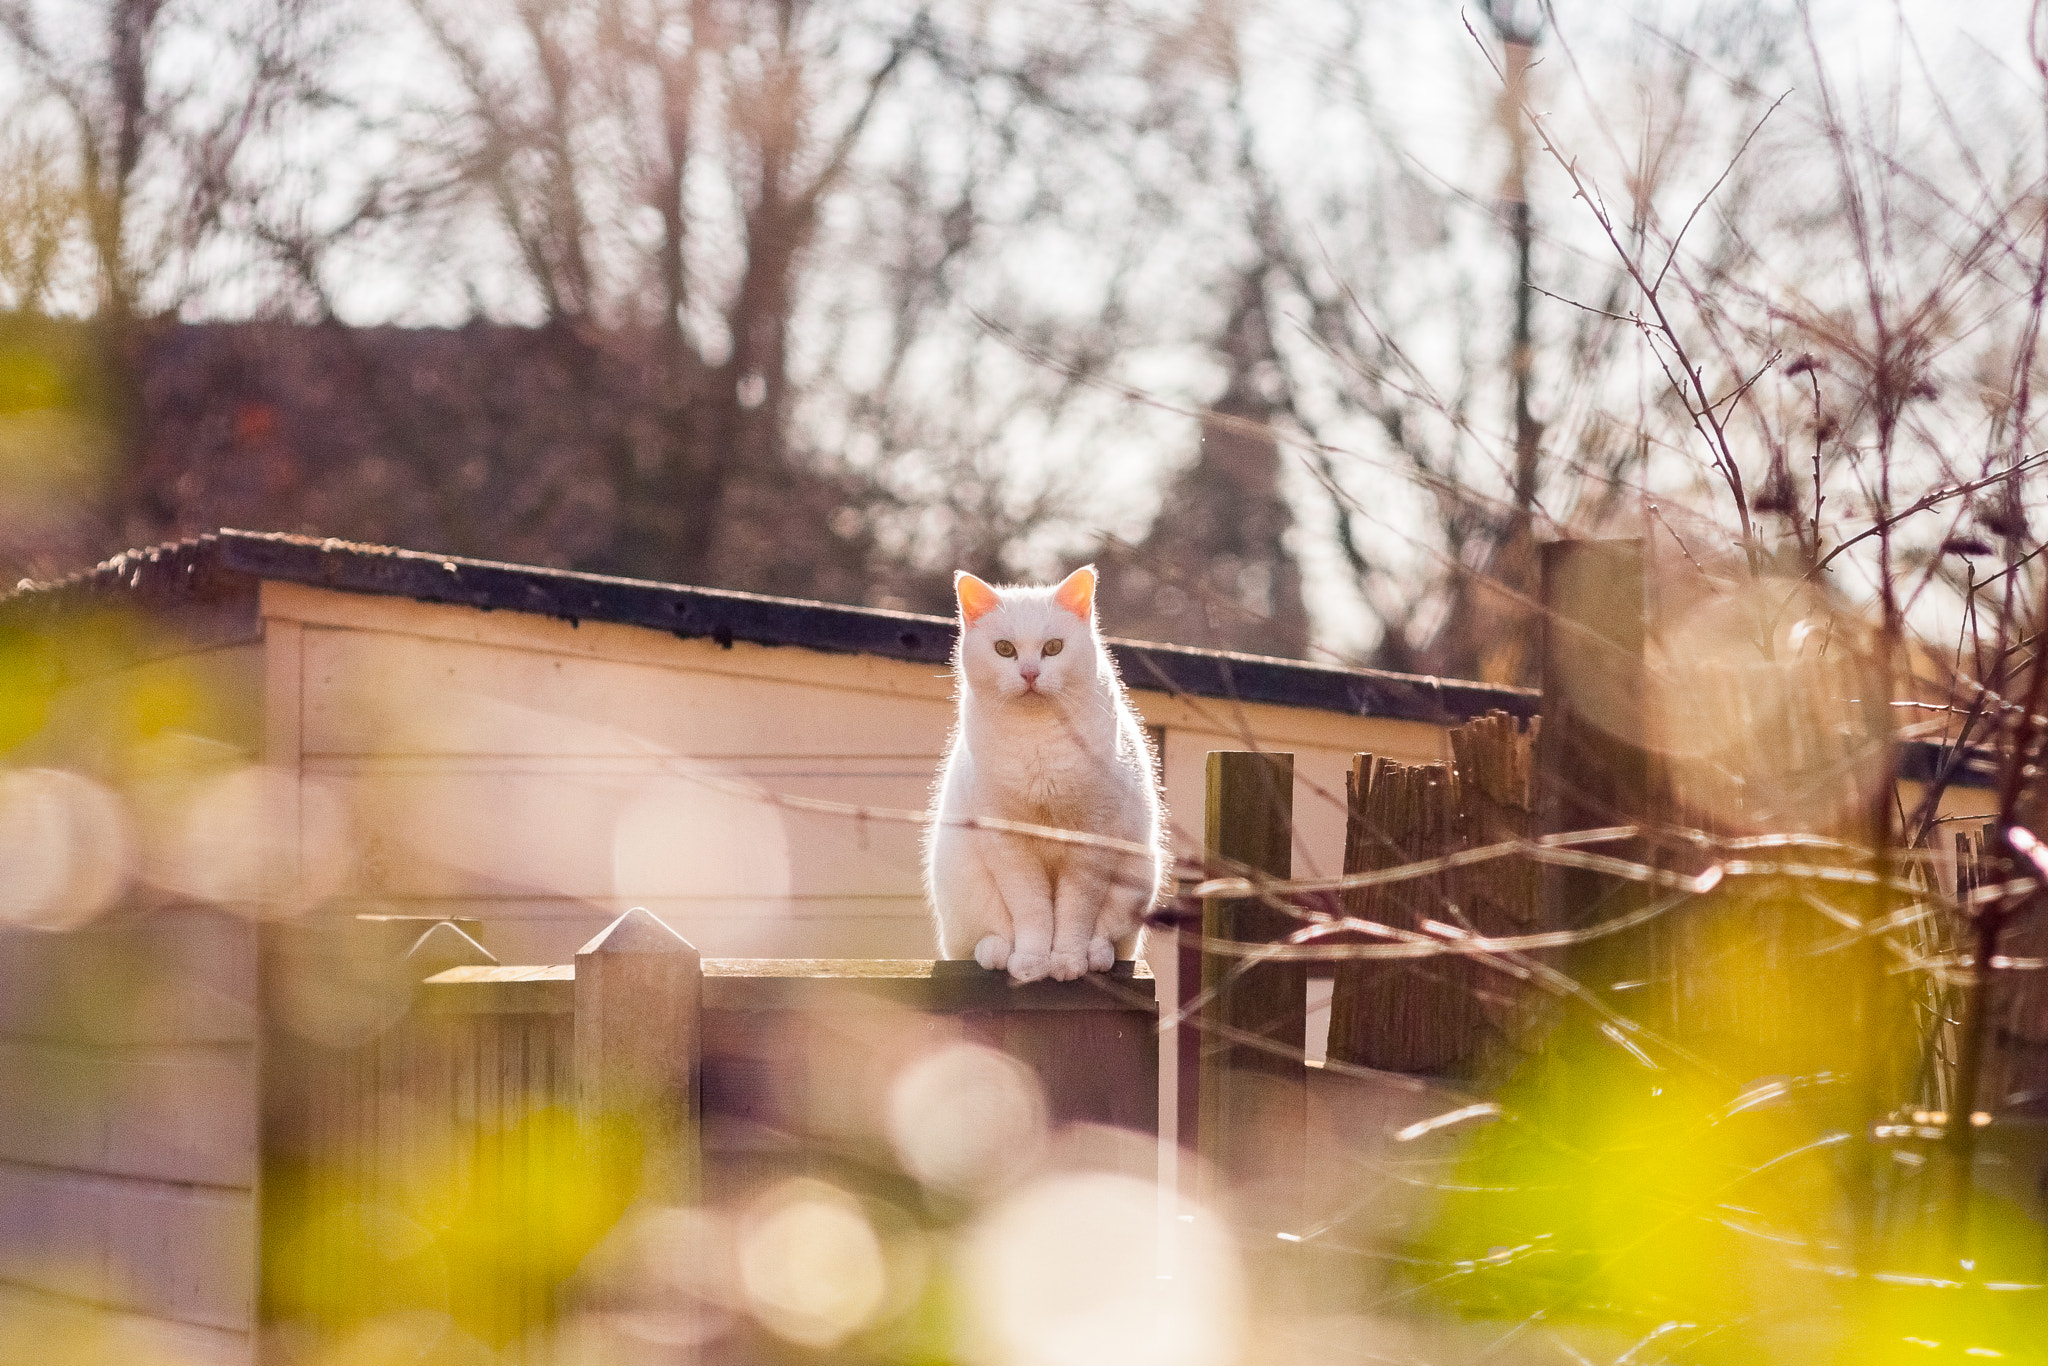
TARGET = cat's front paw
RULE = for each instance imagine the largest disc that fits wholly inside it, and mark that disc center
(1029, 967)
(1101, 954)
(1068, 964)
(993, 952)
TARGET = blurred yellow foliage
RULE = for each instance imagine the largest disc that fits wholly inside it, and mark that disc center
(1689, 1170)
(476, 1226)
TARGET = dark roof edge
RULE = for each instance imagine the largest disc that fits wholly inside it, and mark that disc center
(222, 569)
(194, 601)
(1927, 761)
(176, 573)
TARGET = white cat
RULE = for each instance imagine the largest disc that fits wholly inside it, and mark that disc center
(1046, 737)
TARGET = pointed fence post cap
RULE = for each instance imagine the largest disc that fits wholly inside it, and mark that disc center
(442, 947)
(638, 931)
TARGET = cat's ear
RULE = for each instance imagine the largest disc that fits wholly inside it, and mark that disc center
(1076, 592)
(977, 599)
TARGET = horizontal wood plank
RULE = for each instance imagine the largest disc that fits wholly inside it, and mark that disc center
(643, 829)
(588, 639)
(177, 1113)
(218, 692)
(796, 1060)
(359, 686)
(784, 984)
(170, 976)
(920, 984)
(484, 991)
(33, 1316)
(145, 1247)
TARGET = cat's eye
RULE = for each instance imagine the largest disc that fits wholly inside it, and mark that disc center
(1053, 647)
(1006, 649)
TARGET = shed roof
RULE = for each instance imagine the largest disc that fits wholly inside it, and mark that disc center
(207, 586)
(210, 583)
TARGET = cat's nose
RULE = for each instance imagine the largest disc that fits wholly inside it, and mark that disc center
(1029, 672)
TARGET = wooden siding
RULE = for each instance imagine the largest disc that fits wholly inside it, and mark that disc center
(128, 1050)
(543, 776)
(128, 1146)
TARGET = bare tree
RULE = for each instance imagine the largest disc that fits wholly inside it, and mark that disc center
(690, 191)
(133, 189)
(1460, 364)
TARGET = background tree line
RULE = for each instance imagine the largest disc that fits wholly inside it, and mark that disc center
(829, 299)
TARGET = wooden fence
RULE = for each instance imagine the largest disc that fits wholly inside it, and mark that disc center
(1242, 1102)
(642, 1071)
(469, 1155)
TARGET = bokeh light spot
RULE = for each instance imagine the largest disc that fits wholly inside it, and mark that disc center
(1064, 1273)
(66, 846)
(668, 1276)
(811, 1265)
(699, 829)
(260, 840)
(966, 1116)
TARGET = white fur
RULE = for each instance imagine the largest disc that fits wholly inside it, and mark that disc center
(1068, 753)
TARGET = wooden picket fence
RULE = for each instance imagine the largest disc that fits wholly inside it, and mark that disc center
(507, 1116)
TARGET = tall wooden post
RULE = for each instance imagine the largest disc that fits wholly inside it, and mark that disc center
(1255, 1023)
(1592, 769)
(639, 998)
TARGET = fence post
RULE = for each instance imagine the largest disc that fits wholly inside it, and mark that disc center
(639, 997)
(1253, 1098)
(1592, 769)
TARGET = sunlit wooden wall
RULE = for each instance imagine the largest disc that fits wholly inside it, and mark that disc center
(543, 777)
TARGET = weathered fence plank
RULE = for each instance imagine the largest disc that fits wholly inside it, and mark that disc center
(1255, 1020)
(1414, 1015)
(394, 1170)
(1433, 1013)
